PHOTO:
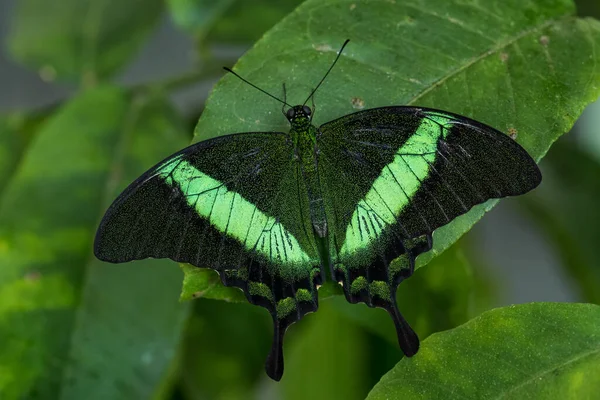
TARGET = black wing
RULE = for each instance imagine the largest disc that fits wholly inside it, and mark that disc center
(233, 204)
(391, 176)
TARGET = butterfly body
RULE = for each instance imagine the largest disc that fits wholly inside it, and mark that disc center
(354, 201)
(304, 136)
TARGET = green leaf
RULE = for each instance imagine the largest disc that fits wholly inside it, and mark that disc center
(326, 359)
(530, 351)
(205, 283)
(16, 131)
(566, 208)
(526, 68)
(67, 321)
(80, 40)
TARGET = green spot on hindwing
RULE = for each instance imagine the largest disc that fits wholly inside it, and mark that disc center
(285, 307)
(304, 295)
(399, 264)
(260, 289)
(314, 273)
(359, 284)
(380, 289)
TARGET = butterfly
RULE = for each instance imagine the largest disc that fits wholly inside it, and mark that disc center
(353, 201)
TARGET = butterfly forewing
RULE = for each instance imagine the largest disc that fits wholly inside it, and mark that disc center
(404, 172)
(235, 204)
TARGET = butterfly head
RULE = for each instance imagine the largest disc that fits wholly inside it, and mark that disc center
(299, 116)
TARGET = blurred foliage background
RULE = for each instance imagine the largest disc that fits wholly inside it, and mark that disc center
(69, 142)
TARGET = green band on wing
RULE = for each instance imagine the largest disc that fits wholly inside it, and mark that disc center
(393, 189)
(233, 215)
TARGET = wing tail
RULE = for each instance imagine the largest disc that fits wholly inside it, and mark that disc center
(407, 338)
(274, 363)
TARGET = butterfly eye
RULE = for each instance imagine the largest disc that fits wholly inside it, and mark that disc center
(306, 110)
(291, 113)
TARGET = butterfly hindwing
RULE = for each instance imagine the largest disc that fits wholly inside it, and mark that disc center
(405, 172)
(235, 204)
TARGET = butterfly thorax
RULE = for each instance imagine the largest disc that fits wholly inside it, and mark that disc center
(303, 134)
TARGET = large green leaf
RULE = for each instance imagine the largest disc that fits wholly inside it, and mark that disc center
(527, 68)
(80, 40)
(531, 351)
(67, 321)
(566, 207)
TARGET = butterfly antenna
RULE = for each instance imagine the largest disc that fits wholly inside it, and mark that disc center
(327, 73)
(256, 87)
